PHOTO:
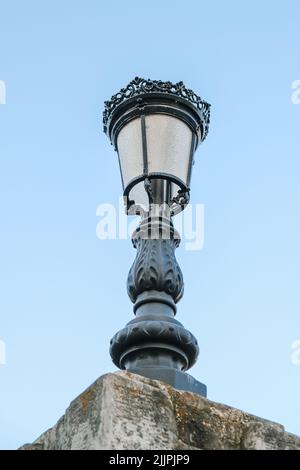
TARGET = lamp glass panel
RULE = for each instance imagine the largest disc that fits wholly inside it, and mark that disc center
(130, 150)
(169, 143)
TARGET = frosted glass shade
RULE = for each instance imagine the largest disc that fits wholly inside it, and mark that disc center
(160, 145)
(130, 151)
(168, 145)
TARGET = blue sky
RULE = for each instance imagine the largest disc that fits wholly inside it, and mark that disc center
(63, 292)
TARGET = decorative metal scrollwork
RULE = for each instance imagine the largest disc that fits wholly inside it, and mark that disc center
(140, 86)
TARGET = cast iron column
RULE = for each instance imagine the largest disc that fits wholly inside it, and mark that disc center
(154, 344)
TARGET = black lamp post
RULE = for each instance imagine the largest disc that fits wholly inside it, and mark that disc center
(156, 127)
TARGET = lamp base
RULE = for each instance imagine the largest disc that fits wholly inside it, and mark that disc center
(175, 378)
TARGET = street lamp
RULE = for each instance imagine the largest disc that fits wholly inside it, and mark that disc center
(156, 127)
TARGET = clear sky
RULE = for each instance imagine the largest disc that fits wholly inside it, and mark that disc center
(63, 291)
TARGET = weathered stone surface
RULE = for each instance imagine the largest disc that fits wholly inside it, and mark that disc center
(126, 411)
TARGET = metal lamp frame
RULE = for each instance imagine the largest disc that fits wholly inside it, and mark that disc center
(147, 97)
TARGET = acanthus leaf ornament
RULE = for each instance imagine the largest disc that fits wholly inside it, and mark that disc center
(155, 267)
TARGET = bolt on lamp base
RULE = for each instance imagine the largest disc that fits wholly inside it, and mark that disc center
(175, 378)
